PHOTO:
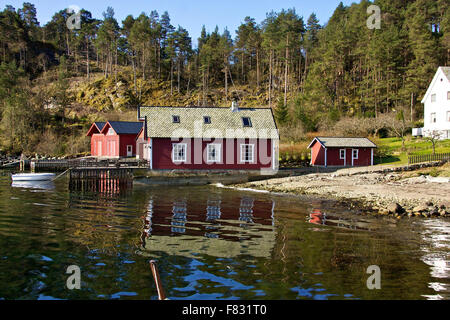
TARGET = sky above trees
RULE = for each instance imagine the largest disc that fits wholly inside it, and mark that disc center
(190, 14)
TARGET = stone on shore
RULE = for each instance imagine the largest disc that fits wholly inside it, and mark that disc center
(395, 208)
(420, 209)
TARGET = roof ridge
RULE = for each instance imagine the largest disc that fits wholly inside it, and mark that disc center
(207, 107)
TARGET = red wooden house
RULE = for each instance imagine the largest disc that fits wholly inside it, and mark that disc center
(342, 152)
(208, 138)
(114, 139)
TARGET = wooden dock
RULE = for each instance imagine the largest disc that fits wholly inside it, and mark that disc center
(110, 176)
(102, 180)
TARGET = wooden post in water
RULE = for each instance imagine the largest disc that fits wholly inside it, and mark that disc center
(159, 287)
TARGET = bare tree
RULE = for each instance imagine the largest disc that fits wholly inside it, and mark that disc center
(398, 125)
(433, 136)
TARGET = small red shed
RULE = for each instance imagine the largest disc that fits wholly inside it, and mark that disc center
(342, 152)
(114, 139)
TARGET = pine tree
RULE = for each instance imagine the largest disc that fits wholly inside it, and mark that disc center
(282, 113)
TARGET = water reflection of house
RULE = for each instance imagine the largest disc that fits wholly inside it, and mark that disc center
(184, 227)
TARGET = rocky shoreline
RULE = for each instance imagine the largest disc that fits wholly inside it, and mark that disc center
(397, 192)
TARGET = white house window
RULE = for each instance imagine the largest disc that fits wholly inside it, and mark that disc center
(433, 118)
(111, 132)
(355, 154)
(207, 120)
(214, 151)
(342, 154)
(433, 98)
(179, 152)
(176, 119)
(247, 153)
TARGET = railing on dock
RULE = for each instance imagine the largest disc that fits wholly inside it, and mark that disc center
(61, 165)
(429, 158)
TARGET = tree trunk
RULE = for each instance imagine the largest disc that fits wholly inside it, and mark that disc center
(143, 63)
(258, 75)
(302, 84)
(270, 78)
(179, 74)
(204, 88)
(226, 84)
(286, 71)
(242, 68)
(171, 77)
(87, 58)
(115, 62)
(134, 72)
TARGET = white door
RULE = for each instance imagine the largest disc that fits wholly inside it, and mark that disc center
(129, 151)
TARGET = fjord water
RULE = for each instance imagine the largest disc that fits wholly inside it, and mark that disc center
(210, 243)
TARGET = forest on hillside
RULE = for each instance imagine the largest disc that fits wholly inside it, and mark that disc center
(335, 75)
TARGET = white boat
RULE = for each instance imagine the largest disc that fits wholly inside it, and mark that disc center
(33, 177)
(40, 185)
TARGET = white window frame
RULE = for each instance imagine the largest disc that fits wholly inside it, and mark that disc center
(353, 154)
(218, 149)
(433, 97)
(111, 132)
(342, 157)
(175, 147)
(433, 117)
(243, 153)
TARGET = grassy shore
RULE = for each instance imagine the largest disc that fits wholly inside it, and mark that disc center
(391, 150)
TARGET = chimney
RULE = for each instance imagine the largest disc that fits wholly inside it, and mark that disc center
(234, 106)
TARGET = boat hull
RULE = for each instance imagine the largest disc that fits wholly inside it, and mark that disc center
(33, 177)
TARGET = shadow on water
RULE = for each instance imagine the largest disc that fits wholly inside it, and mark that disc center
(210, 243)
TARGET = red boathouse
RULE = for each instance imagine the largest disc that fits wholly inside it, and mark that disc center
(114, 139)
(208, 138)
(342, 152)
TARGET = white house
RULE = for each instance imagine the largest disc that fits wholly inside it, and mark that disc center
(437, 106)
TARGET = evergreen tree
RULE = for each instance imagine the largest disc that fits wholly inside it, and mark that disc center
(282, 113)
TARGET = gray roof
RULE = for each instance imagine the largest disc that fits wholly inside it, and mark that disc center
(446, 71)
(341, 142)
(225, 124)
(126, 127)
